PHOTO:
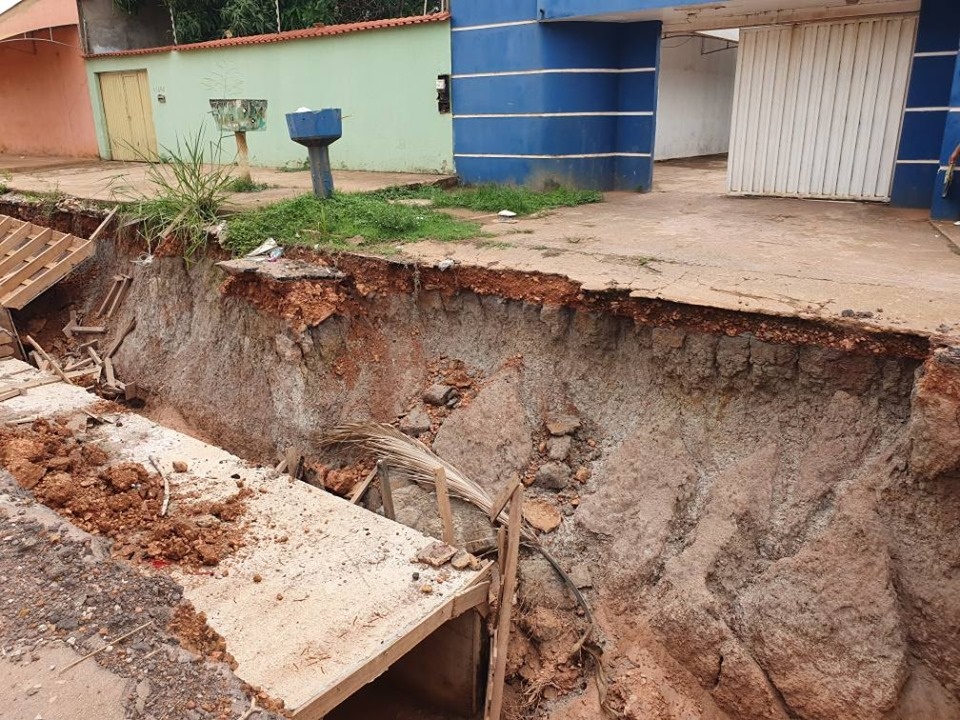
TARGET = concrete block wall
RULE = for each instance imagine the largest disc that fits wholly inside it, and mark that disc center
(924, 135)
(562, 103)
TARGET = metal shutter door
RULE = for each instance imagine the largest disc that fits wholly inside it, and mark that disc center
(818, 107)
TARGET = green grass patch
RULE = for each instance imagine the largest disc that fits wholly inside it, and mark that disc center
(307, 220)
(494, 198)
(246, 185)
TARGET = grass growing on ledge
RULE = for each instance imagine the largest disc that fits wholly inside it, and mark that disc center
(330, 223)
(494, 198)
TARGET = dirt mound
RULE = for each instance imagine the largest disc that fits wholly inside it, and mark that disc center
(122, 501)
(195, 635)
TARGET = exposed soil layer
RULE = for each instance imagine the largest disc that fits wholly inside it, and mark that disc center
(122, 501)
(761, 511)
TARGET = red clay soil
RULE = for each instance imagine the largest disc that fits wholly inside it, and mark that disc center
(121, 501)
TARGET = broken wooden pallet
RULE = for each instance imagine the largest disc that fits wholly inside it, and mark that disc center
(34, 258)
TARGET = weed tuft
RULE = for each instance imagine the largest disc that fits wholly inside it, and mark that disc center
(246, 185)
(185, 196)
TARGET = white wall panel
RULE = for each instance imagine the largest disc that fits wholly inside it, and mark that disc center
(817, 108)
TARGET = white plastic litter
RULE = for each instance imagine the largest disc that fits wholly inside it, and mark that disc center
(262, 249)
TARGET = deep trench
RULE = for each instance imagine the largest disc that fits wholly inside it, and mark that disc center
(764, 518)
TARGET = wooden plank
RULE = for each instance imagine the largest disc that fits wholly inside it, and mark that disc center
(53, 364)
(386, 492)
(25, 251)
(504, 497)
(110, 296)
(119, 339)
(13, 240)
(108, 369)
(106, 221)
(5, 222)
(361, 489)
(51, 254)
(501, 637)
(321, 705)
(119, 297)
(7, 394)
(25, 293)
(443, 504)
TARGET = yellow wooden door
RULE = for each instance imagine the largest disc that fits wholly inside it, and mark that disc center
(129, 115)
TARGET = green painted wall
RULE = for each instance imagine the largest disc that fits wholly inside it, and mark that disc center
(384, 80)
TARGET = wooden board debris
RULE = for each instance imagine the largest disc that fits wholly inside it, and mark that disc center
(501, 637)
(34, 258)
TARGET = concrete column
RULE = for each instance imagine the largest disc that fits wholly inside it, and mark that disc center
(540, 104)
(948, 208)
(932, 80)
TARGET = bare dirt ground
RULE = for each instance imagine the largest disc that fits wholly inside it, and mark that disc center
(65, 597)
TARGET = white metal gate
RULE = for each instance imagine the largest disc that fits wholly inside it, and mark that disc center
(818, 108)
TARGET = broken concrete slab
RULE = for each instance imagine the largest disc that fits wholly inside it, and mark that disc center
(282, 270)
(341, 595)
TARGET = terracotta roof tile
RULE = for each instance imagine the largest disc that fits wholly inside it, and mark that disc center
(312, 32)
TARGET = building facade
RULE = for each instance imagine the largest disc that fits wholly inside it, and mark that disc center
(44, 103)
(839, 100)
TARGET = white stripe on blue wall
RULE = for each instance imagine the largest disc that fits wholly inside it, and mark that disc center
(938, 53)
(494, 25)
(548, 71)
(551, 157)
(926, 109)
(553, 114)
(918, 162)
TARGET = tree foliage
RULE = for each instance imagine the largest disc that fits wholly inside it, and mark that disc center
(199, 20)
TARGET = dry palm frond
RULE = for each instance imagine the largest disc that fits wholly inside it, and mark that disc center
(410, 459)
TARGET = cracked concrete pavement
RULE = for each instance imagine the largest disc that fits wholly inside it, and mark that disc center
(689, 242)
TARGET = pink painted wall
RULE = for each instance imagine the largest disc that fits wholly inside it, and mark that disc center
(44, 99)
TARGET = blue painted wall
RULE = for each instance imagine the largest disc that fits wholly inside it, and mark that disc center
(917, 179)
(542, 104)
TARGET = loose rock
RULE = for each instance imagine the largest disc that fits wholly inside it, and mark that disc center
(439, 394)
(416, 422)
(542, 515)
(563, 425)
(554, 476)
(558, 448)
